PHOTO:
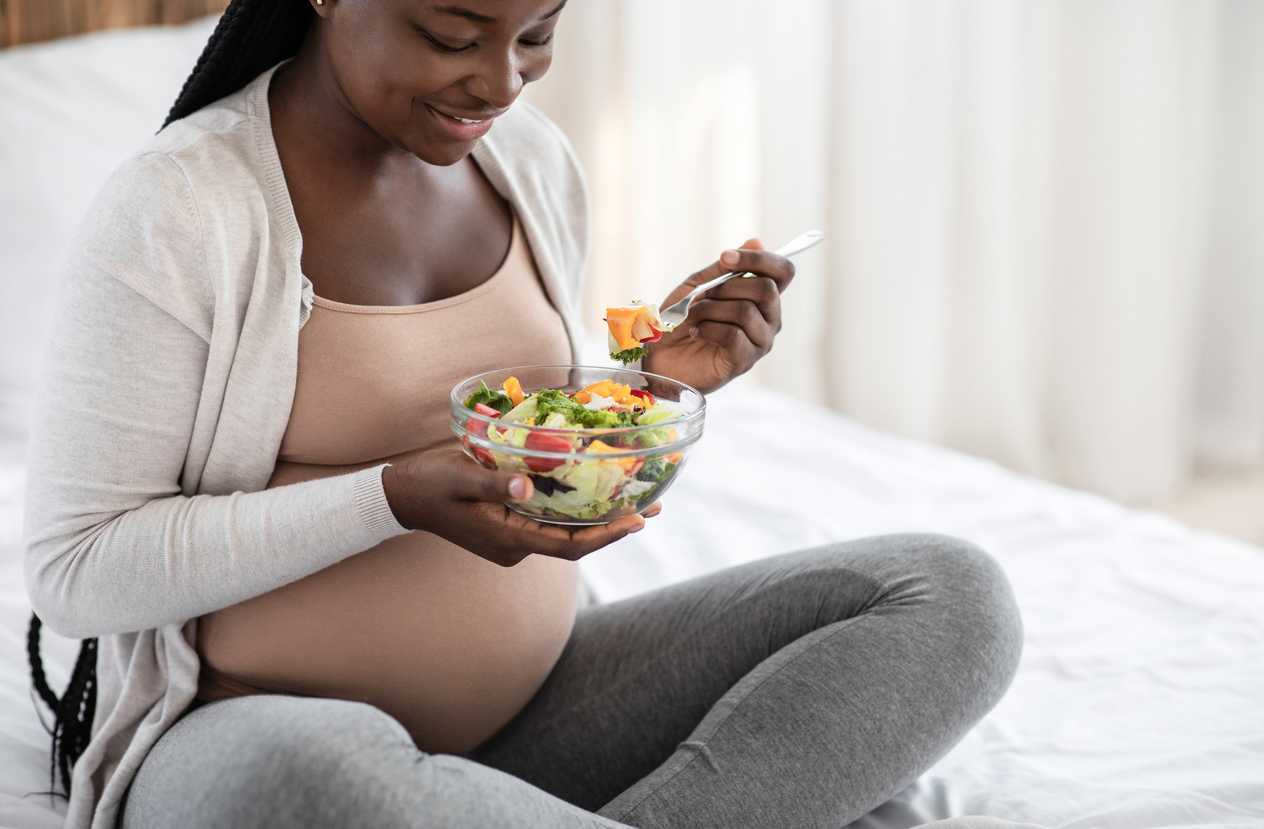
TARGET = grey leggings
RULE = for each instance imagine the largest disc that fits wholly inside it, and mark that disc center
(800, 690)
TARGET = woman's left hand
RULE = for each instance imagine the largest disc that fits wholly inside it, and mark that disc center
(729, 328)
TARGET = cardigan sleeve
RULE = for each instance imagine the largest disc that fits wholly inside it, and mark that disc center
(110, 543)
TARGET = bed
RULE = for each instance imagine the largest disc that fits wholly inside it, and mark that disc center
(1138, 701)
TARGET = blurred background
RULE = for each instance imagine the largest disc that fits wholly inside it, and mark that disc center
(1042, 216)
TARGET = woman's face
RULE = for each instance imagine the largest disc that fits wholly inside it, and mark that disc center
(407, 67)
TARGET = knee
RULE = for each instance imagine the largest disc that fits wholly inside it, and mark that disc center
(321, 738)
(972, 597)
(300, 739)
(241, 762)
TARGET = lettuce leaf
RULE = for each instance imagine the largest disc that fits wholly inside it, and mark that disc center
(523, 412)
(592, 484)
(553, 401)
(657, 413)
(497, 399)
(516, 437)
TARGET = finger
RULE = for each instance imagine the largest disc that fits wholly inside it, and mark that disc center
(759, 261)
(523, 529)
(590, 539)
(562, 542)
(653, 509)
(716, 268)
(533, 536)
(761, 290)
(708, 273)
(742, 313)
(741, 351)
(603, 534)
(762, 263)
(474, 483)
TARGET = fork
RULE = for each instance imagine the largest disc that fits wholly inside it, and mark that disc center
(675, 314)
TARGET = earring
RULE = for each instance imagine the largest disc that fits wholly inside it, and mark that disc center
(320, 2)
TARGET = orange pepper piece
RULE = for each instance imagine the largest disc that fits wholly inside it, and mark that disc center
(513, 388)
(601, 448)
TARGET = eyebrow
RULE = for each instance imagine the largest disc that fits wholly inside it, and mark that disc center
(482, 18)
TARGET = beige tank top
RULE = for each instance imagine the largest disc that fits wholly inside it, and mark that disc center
(450, 644)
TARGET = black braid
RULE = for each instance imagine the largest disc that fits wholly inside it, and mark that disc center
(72, 713)
(251, 36)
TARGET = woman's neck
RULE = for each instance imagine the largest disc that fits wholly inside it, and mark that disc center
(314, 122)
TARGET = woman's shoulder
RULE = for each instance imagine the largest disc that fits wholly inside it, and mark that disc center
(163, 209)
(217, 148)
(190, 168)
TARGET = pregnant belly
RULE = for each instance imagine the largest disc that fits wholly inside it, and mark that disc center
(449, 644)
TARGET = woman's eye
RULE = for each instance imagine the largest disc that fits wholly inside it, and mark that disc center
(542, 42)
(441, 46)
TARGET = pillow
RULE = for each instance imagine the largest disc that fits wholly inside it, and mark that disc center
(73, 110)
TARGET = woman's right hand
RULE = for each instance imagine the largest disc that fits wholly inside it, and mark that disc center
(441, 491)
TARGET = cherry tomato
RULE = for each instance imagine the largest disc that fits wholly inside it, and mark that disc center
(543, 442)
(477, 427)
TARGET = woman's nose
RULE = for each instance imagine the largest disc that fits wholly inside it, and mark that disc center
(498, 82)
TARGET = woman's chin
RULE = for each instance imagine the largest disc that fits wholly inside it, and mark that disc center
(441, 153)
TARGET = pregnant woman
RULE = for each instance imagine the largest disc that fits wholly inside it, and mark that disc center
(302, 606)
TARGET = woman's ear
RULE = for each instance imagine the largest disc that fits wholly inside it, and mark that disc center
(321, 7)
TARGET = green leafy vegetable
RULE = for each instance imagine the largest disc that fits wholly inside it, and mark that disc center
(659, 413)
(523, 412)
(497, 399)
(629, 355)
(655, 470)
(550, 401)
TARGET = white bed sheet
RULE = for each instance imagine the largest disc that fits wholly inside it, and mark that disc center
(1137, 703)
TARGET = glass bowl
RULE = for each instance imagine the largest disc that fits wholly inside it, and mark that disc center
(605, 472)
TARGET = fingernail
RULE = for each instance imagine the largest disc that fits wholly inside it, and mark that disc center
(636, 528)
(730, 257)
(518, 487)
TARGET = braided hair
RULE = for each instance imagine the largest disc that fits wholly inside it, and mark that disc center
(72, 712)
(251, 36)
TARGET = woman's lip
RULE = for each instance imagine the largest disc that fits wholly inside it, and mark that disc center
(457, 130)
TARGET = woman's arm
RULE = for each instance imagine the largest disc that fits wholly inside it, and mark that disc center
(111, 544)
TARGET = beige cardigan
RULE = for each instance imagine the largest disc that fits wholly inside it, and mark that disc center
(170, 375)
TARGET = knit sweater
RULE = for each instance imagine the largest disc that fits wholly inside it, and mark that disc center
(170, 376)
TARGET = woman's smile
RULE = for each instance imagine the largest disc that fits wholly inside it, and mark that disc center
(456, 127)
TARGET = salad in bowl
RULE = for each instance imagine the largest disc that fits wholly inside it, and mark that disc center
(597, 443)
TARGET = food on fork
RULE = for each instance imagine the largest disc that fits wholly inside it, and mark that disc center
(632, 328)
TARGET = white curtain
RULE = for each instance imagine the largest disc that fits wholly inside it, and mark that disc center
(1045, 218)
